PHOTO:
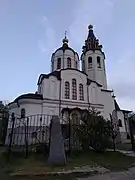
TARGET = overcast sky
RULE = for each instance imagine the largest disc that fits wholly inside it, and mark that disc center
(30, 30)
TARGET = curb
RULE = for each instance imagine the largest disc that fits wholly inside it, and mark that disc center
(66, 173)
(61, 173)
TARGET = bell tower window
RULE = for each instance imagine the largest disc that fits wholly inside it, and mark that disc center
(68, 62)
(58, 63)
(90, 62)
(98, 62)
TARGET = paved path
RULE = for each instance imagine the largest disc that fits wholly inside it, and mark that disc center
(127, 175)
(127, 153)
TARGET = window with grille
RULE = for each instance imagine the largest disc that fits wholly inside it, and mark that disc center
(58, 63)
(81, 93)
(23, 113)
(67, 90)
(98, 62)
(89, 62)
(74, 89)
(68, 62)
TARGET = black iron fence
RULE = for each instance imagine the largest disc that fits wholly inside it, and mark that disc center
(26, 134)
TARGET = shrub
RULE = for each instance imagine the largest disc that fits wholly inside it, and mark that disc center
(94, 132)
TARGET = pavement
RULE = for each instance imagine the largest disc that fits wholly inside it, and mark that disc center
(126, 175)
(125, 152)
(84, 170)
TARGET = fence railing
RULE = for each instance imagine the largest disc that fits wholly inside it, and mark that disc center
(32, 131)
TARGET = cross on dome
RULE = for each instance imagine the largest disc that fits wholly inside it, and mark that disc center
(65, 40)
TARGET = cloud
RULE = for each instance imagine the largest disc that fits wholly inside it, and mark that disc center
(122, 80)
(41, 46)
(47, 41)
(104, 14)
(98, 13)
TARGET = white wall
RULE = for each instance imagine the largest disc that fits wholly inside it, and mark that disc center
(31, 106)
(68, 75)
(51, 88)
(95, 93)
(108, 103)
(51, 107)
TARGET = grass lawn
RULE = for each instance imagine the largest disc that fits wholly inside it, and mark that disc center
(114, 161)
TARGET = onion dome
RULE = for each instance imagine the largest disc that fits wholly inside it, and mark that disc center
(64, 57)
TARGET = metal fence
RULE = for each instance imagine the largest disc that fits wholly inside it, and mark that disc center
(27, 133)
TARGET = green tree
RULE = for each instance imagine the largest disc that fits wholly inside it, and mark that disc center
(94, 131)
(3, 121)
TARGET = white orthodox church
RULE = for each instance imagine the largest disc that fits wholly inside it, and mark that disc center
(69, 90)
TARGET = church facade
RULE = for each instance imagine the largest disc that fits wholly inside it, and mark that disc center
(68, 90)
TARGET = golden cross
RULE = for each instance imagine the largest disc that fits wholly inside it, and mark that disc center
(65, 33)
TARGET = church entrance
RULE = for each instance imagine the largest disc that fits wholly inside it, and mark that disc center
(71, 119)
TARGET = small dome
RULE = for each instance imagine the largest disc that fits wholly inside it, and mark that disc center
(64, 57)
(65, 45)
(90, 27)
(65, 40)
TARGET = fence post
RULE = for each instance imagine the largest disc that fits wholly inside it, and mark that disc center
(69, 136)
(11, 135)
(50, 134)
(26, 137)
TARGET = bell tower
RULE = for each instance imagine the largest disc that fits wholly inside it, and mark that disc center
(93, 59)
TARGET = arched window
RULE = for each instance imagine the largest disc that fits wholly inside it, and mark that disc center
(128, 136)
(89, 62)
(98, 62)
(67, 90)
(58, 63)
(83, 65)
(74, 89)
(120, 123)
(52, 65)
(75, 118)
(81, 93)
(68, 62)
(23, 113)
